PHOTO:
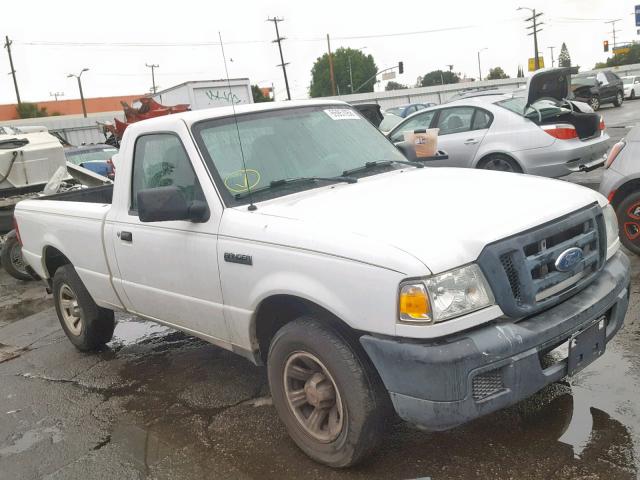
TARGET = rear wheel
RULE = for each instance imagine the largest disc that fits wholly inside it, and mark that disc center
(88, 326)
(594, 103)
(619, 99)
(501, 163)
(328, 396)
(11, 257)
(628, 213)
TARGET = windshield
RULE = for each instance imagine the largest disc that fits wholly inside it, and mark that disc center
(394, 111)
(628, 80)
(577, 81)
(80, 156)
(321, 141)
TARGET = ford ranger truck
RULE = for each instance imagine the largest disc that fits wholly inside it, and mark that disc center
(295, 234)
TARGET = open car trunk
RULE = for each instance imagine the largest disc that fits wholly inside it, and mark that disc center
(586, 124)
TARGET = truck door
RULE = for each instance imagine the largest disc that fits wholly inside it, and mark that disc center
(168, 270)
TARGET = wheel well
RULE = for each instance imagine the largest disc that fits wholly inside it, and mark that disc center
(624, 190)
(54, 259)
(498, 154)
(278, 310)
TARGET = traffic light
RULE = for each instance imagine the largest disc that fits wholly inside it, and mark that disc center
(606, 45)
(400, 68)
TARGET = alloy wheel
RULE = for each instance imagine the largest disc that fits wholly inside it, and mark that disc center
(594, 103)
(71, 312)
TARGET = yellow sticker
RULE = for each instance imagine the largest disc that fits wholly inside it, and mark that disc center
(242, 180)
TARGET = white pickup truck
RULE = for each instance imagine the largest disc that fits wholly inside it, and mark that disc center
(297, 235)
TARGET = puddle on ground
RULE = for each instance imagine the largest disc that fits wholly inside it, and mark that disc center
(30, 438)
(130, 331)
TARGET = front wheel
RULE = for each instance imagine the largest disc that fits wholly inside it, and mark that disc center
(619, 99)
(594, 103)
(501, 163)
(633, 95)
(628, 213)
(88, 326)
(11, 258)
(328, 396)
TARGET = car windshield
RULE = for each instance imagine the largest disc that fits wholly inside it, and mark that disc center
(389, 121)
(581, 81)
(318, 141)
(545, 108)
(628, 80)
(78, 157)
(394, 110)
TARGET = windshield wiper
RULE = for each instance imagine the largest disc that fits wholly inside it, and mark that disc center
(291, 181)
(380, 163)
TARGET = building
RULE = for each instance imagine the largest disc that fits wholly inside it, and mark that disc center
(72, 106)
(207, 93)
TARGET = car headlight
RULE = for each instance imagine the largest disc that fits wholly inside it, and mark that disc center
(444, 296)
(611, 226)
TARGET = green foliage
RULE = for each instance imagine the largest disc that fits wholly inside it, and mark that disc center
(363, 67)
(395, 86)
(30, 110)
(258, 96)
(496, 74)
(438, 77)
(564, 59)
(622, 58)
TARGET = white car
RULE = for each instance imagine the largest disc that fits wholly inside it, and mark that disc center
(298, 236)
(536, 131)
(631, 87)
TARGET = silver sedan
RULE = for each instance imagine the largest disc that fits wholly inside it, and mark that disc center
(500, 131)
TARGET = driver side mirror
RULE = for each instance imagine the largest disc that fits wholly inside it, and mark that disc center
(163, 204)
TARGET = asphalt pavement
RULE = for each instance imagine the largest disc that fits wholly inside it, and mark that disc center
(160, 404)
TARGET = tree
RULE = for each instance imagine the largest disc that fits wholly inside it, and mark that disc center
(632, 56)
(363, 68)
(395, 86)
(520, 72)
(496, 74)
(439, 77)
(30, 110)
(258, 96)
(564, 59)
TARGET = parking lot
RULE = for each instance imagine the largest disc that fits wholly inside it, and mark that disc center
(160, 404)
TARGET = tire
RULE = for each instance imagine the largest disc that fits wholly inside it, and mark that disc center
(88, 326)
(594, 103)
(619, 99)
(499, 162)
(11, 257)
(355, 418)
(628, 213)
(633, 94)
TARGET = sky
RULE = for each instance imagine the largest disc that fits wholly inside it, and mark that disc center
(115, 39)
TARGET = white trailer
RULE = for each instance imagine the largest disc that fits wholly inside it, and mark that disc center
(207, 93)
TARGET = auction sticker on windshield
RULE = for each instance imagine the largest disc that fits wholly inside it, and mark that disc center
(341, 114)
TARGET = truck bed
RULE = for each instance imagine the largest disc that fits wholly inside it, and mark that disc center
(102, 195)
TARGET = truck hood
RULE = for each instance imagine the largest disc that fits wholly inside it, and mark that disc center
(443, 217)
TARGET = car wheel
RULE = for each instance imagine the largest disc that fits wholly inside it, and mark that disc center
(619, 99)
(329, 397)
(628, 213)
(594, 103)
(501, 163)
(88, 326)
(633, 95)
(11, 258)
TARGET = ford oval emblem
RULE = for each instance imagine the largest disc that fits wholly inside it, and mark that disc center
(568, 259)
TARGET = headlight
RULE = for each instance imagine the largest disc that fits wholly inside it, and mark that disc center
(611, 225)
(445, 296)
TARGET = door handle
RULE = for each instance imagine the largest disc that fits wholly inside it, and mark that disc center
(470, 141)
(125, 236)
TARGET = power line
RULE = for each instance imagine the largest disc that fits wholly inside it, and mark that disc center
(534, 31)
(278, 40)
(613, 29)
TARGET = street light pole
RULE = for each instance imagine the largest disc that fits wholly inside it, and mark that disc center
(479, 67)
(84, 108)
(153, 76)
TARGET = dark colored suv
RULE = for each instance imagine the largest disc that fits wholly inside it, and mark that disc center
(599, 88)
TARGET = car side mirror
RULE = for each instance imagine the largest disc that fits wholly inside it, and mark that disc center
(600, 83)
(164, 204)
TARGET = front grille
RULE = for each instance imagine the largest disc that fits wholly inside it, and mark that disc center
(487, 384)
(522, 271)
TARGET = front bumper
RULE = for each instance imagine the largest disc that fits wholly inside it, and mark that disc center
(434, 384)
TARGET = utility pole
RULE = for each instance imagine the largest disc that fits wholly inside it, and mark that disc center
(350, 75)
(479, 68)
(279, 39)
(84, 108)
(153, 76)
(56, 95)
(613, 29)
(534, 26)
(333, 78)
(553, 62)
(7, 45)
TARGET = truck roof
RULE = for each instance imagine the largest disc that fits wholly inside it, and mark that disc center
(218, 112)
